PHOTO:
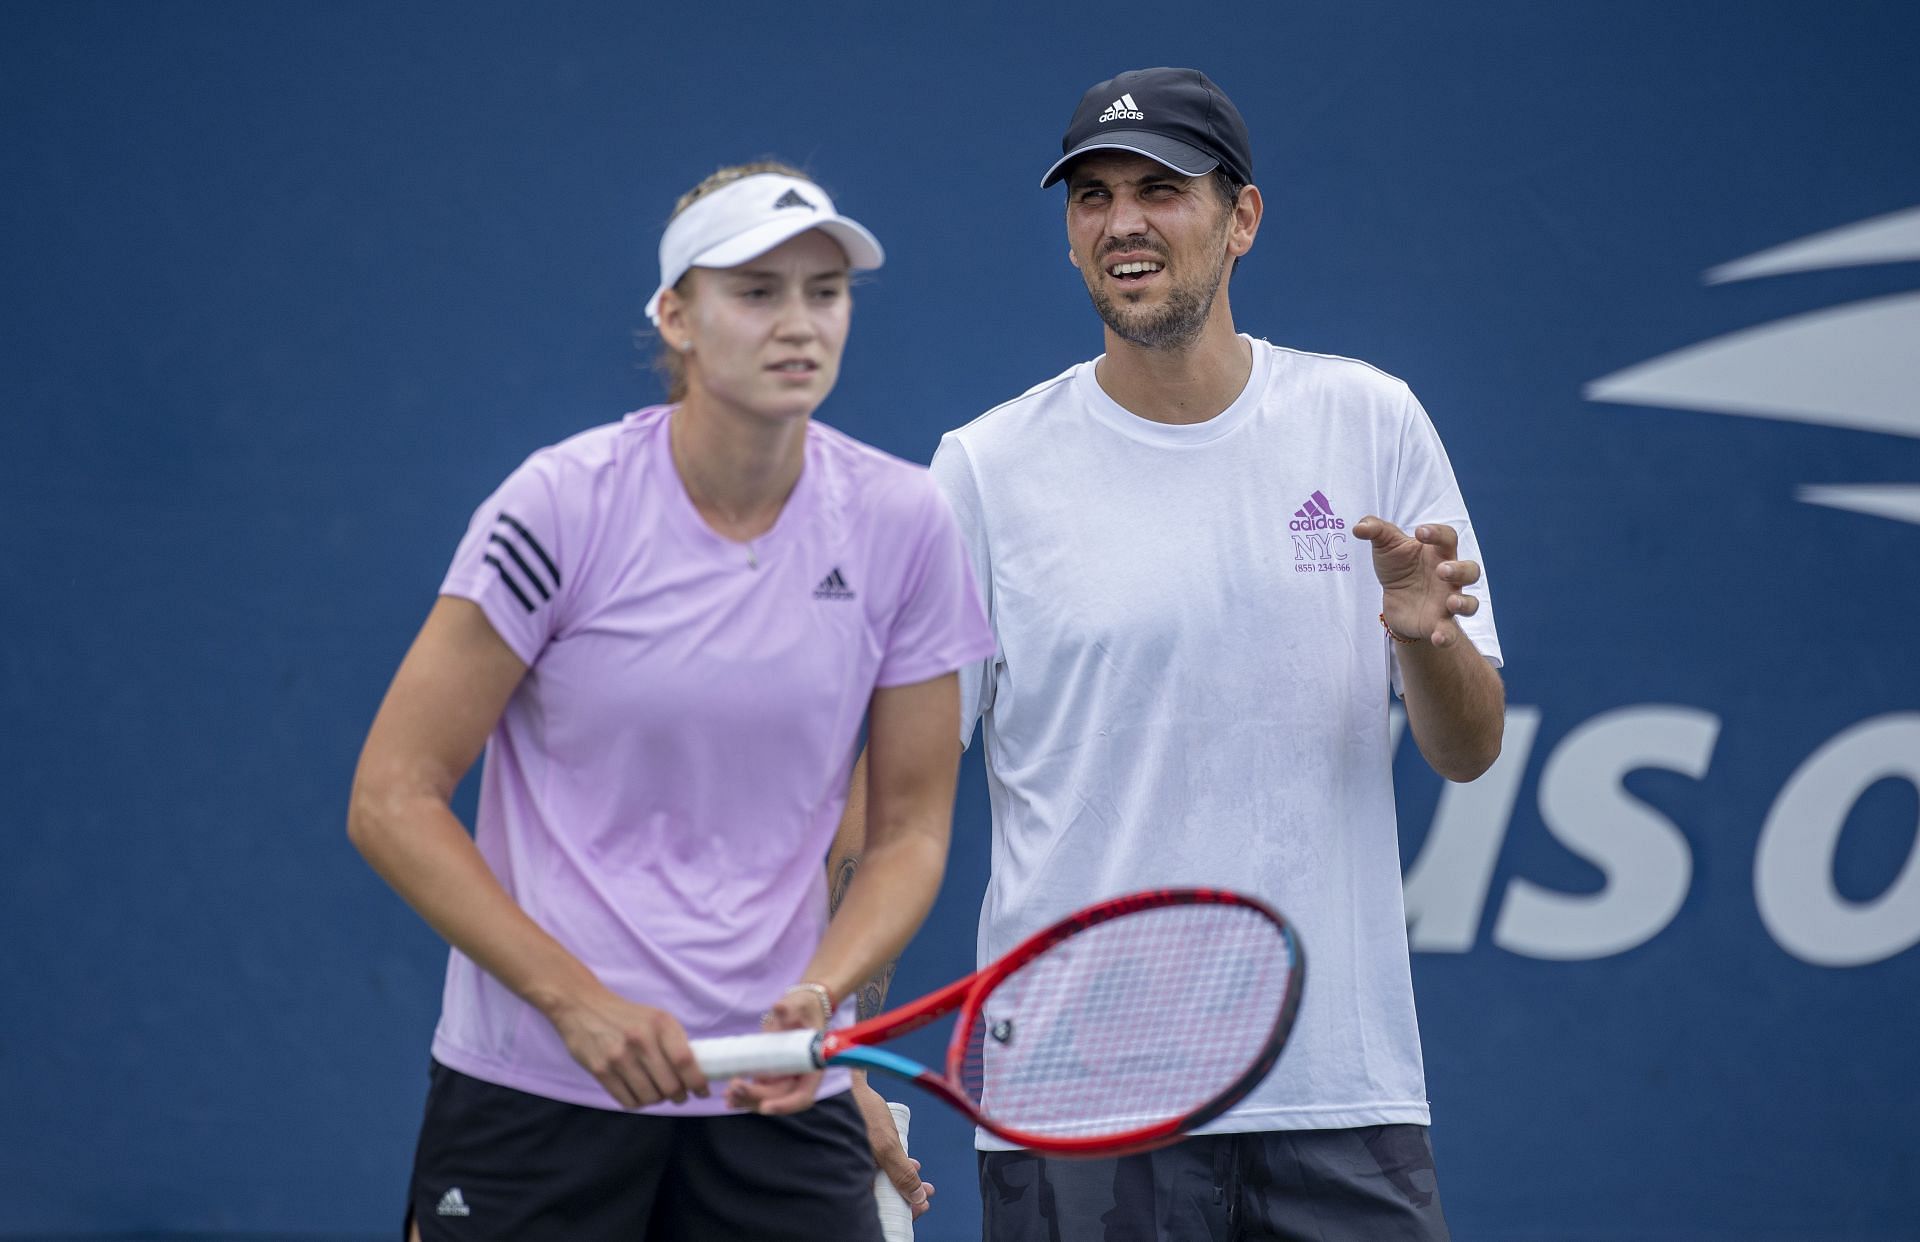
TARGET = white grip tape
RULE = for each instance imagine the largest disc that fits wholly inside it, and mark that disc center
(896, 1217)
(774, 1052)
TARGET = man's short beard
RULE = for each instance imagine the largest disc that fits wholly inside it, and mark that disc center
(1178, 322)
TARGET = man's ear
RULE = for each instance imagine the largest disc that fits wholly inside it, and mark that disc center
(1247, 211)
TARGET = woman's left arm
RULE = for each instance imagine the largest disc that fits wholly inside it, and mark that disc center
(913, 763)
(883, 1133)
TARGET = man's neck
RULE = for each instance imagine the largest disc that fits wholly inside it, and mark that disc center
(1179, 386)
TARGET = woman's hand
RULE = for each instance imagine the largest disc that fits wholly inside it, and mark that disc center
(799, 1009)
(638, 1053)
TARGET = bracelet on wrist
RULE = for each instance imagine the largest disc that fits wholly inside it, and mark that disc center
(1395, 635)
(821, 994)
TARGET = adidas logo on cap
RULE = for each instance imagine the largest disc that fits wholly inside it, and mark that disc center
(1122, 109)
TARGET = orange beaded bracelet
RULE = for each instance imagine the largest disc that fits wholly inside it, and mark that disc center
(1404, 642)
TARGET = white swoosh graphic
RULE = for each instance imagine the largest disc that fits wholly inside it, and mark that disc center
(1855, 366)
(1893, 238)
(1899, 501)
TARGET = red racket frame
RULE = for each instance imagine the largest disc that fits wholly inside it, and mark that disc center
(966, 994)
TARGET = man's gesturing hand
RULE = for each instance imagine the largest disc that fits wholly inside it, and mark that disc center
(1423, 586)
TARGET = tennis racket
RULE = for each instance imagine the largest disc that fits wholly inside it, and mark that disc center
(1117, 1029)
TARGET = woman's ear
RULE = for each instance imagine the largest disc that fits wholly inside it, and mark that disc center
(674, 328)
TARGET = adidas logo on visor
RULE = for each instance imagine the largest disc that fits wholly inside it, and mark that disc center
(1122, 109)
(793, 198)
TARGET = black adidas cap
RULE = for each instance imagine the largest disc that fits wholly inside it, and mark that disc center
(1176, 116)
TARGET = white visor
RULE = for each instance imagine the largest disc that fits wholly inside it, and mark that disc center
(746, 218)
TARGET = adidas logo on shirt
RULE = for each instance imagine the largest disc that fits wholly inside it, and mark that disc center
(793, 198)
(453, 1203)
(1122, 109)
(833, 586)
(1316, 514)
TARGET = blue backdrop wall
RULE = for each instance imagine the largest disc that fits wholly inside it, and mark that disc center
(288, 288)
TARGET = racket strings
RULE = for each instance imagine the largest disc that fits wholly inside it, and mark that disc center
(1129, 1023)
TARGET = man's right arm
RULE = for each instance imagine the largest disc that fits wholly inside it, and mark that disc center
(952, 472)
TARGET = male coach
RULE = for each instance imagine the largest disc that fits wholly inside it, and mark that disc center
(1208, 561)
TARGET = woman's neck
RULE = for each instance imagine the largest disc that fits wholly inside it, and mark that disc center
(738, 469)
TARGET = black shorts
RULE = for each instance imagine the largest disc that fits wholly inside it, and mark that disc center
(495, 1163)
(1373, 1184)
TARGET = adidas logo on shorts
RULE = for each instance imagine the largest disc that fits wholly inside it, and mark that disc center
(453, 1203)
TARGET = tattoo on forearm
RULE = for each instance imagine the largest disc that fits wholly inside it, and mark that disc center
(873, 993)
(837, 883)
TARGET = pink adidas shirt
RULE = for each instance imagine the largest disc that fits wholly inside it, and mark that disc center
(662, 788)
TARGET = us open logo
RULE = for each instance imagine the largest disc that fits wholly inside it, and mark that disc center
(1852, 366)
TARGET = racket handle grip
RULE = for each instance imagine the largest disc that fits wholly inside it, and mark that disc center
(772, 1052)
(896, 1215)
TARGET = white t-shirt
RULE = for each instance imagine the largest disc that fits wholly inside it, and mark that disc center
(1191, 683)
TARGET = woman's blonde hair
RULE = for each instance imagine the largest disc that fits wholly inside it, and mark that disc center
(667, 362)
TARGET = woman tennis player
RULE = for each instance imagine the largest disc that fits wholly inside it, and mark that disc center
(667, 632)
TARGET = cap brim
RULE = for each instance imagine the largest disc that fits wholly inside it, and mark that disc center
(1189, 161)
(863, 249)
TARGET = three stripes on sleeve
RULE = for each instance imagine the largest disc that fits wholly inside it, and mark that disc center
(518, 543)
